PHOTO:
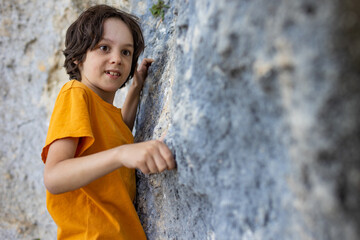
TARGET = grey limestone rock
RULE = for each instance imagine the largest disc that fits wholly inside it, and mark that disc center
(263, 117)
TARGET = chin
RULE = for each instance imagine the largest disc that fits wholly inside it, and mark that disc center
(112, 88)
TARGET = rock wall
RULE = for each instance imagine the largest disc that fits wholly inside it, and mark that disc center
(259, 101)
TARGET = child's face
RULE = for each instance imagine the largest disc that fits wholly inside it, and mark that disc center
(108, 65)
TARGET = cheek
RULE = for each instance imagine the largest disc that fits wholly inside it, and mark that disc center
(130, 63)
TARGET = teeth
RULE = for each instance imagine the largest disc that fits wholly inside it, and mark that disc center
(113, 73)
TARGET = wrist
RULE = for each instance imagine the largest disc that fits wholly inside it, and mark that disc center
(135, 86)
(118, 155)
(137, 82)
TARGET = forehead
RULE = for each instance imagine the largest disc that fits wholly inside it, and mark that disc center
(116, 30)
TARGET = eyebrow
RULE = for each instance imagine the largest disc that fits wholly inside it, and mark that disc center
(109, 40)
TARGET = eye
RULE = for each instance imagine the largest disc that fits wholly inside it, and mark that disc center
(104, 48)
(126, 52)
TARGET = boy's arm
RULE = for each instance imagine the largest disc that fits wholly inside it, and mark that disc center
(132, 99)
(65, 173)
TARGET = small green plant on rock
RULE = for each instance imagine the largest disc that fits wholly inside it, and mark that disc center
(158, 10)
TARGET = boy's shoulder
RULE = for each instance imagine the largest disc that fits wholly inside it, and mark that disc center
(79, 90)
(74, 88)
(75, 85)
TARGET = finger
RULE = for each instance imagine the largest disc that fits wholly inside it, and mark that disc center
(150, 163)
(160, 162)
(146, 62)
(167, 156)
(141, 165)
(144, 169)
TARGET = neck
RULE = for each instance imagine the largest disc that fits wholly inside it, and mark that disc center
(104, 95)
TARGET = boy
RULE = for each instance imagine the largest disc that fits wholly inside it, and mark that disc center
(89, 153)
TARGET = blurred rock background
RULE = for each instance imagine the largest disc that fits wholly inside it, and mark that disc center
(260, 101)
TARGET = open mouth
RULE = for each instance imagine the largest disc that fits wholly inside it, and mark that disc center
(113, 73)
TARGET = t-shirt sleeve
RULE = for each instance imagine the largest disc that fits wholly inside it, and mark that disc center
(70, 118)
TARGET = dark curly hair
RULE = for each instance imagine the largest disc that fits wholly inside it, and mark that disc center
(86, 32)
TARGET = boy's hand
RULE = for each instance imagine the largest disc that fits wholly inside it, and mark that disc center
(149, 157)
(141, 72)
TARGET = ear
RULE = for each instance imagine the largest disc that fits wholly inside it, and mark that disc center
(79, 64)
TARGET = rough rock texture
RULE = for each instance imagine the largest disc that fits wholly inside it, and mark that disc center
(27, 41)
(259, 101)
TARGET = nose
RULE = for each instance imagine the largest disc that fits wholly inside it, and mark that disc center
(115, 58)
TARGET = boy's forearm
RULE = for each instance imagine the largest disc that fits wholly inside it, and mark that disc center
(130, 105)
(74, 173)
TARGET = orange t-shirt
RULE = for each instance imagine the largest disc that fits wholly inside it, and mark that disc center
(104, 208)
